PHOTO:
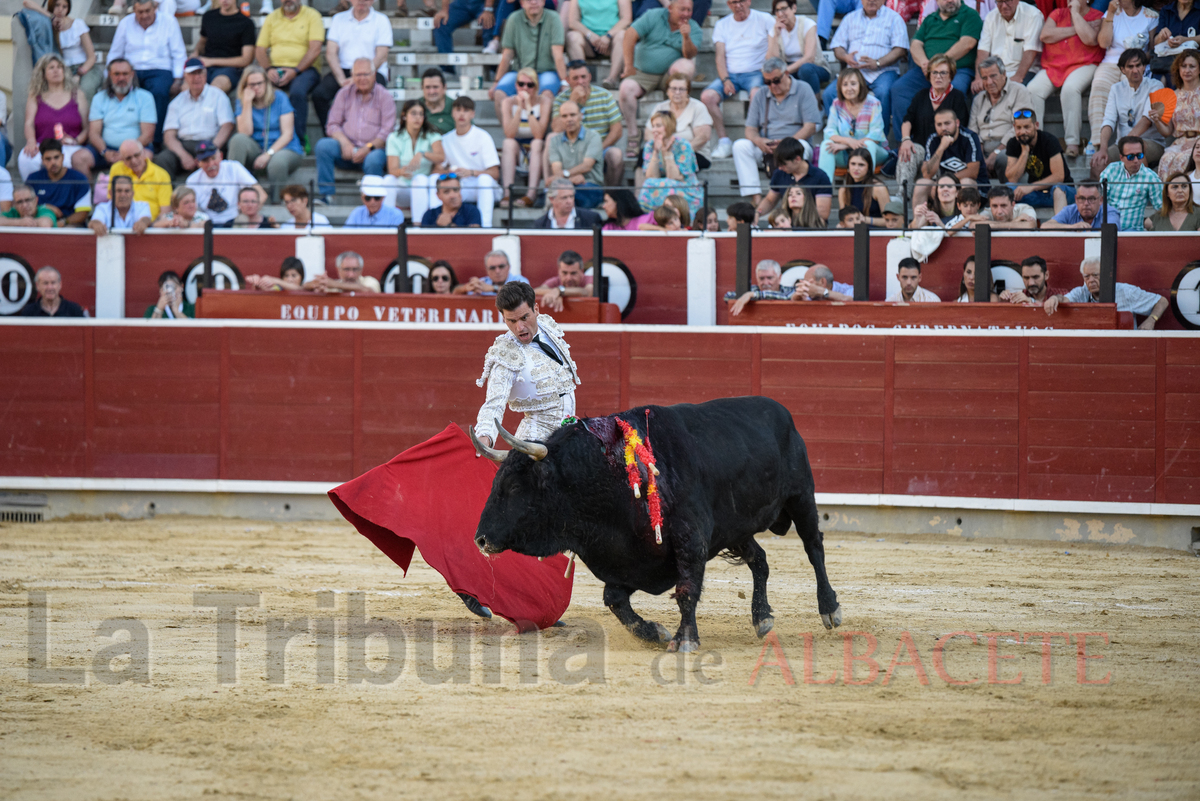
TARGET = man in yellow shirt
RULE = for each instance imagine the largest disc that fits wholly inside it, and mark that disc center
(150, 181)
(288, 45)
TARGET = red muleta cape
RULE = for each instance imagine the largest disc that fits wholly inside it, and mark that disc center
(431, 497)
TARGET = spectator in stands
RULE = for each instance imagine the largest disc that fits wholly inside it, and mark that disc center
(1178, 25)
(1123, 113)
(794, 39)
(218, 182)
(670, 166)
(575, 153)
(1005, 213)
(498, 274)
(739, 213)
(25, 211)
(288, 45)
(291, 277)
(442, 279)
(358, 34)
(1011, 33)
(909, 274)
(693, 123)
(893, 215)
(849, 217)
(49, 301)
(855, 122)
(992, 111)
(1129, 297)
(470, 154)
(201, 113)
(1185, 123)
(250, 211)
(801, 209)
(600, 114)
(182, 213)
(1178, 212)
(433, 99)
(1132, 186)
(73, 39)
(1034, 274)
(918, 115)
(61, 189)
(122, 212)
(1126, 26)
(942, 207)
(871, 39)
(350, 276)
(362, 116)
(623, 211)
(525, 118)
(860, 188)
(1035, 161)
(151, 184)
(954, 32)
(153, 44)
(969, 204)
(374, 213)
(569, 283)
(597, 29)
(172, 303)
(711, 221)
(792, 114)
(563, 212)
(55, 110)
(120, 112)
(266, 135)
(452, 213)
(766, 274)
(412, 151)
(295, 199)
(226, 44)
(534, 39)
(1084, 213)
(792, 167)
(966, 286)
(660, 47)
(952, 150)
(1192, 171)
(740, 40)
(818, 284)
(1069, 58)
(454, 15)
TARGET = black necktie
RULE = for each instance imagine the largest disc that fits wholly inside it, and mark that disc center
(549, 351)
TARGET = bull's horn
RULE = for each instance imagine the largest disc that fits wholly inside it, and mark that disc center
(535, 449)
(484, 450)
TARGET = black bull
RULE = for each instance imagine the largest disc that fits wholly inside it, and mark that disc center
(730, 468)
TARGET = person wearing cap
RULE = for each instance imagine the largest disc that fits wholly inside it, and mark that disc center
(893, 215)
(218, 182)
(200, 114)
(374, 213)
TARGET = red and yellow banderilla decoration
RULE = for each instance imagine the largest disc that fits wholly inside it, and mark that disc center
(638, 449)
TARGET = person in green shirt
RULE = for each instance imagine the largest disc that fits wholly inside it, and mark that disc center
(433, 98)
(662, 42)
(534, 38)
(954, 30)
(26, 213)
(172, 305)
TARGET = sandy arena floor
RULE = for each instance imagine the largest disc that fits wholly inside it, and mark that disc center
(586, 711)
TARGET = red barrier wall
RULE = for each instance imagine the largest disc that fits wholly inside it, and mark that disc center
(73, 254)
(1097, 418)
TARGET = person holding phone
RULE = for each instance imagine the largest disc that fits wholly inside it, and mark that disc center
(172, 304)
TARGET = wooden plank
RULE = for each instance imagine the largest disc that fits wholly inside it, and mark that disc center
(731, 373)
(1180, 377)
(653, 345)
(955, 403)
(121, 391)
(157, 338)
(889, 411)
(1070, 460)
(272, 389)
(135, 364)
(1117, 489)
(818, 402)
(1184, 352)
(815, 347)
(955, 430)
(332, 444)
(333, 367)
(160, 440)
(941, 350)
(911, 458)
(829, 479)
(1093, 433)
(822, 374)
(153, 465)
(971, 485)
(959, 376)
(464, 344)
(1160, 420)
(1182, 462)
(1096, 378)
(28, 388)
(1098, 350)
(1085, 406)
(840, 428)
(335, 471)
(863, 455)
(1182, 406)
(1182, 490)
(666, 395)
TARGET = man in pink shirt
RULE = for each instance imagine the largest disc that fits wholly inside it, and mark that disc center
(570, 282)
(362, 116)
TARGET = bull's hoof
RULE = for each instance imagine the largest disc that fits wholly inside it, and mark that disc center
(831, 620)
(683, 646)
(650, 632)
(764, 626)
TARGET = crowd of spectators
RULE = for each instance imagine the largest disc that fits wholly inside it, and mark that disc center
(966, 114)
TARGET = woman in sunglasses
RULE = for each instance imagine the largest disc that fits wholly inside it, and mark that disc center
(524, 117)
(442, 279)
(1178, 212)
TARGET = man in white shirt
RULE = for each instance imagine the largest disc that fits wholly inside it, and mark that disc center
(361, 32)
(218, 182)
(1013, 32)
(740, 39)
(200, 114)
(471, 154)
(122, 213)
(153, 44)
(909, 273)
